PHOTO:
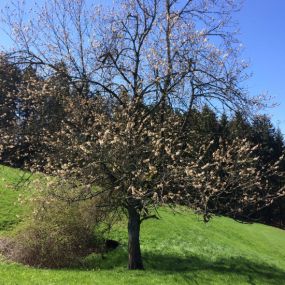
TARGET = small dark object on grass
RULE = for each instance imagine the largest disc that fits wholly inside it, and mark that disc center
(111, 244)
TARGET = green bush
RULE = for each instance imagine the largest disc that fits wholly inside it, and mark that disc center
(58, 233)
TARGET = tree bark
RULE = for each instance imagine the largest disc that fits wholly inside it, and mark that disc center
(135, 258)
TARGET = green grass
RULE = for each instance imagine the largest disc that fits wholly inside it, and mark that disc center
(177, 249)
(11, 186)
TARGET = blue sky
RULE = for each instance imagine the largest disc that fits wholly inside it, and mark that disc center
(262, 31)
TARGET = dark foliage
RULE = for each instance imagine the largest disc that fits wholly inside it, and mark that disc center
(26, 125)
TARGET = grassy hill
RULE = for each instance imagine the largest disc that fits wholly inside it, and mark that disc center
(177, 249)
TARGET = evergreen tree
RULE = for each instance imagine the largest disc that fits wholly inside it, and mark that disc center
(10, 77)
(208, 125)
(224, 130)
(279, 142)
(263, 133)
(239, 127)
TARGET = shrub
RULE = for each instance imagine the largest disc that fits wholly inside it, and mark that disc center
(58, 233)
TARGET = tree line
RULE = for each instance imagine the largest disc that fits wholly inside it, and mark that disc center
(260, 131)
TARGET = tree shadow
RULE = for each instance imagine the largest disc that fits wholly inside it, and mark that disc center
(189, 266)
(167, 263)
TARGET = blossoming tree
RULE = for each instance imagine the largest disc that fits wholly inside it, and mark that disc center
(134, 74)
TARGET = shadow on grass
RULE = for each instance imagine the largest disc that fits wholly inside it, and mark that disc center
(233, 265)
(190, 266)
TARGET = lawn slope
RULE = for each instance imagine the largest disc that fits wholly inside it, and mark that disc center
(177, 249)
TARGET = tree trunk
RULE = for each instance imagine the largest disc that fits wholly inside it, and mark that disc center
(135, 258)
